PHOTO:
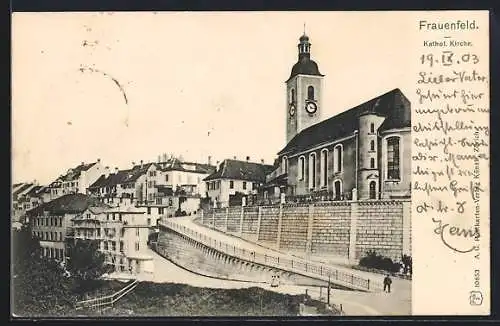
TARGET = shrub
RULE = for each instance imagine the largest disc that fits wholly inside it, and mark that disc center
(376, 261)
(407, 264)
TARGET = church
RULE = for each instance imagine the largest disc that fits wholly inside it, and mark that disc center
(360, 154)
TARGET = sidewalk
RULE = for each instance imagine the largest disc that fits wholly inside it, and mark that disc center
(398, 302)
(375, 279)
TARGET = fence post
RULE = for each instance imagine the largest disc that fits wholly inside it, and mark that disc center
(406, 227)
(259, 217)
(226, 218)
(353, 231)
(280, 223)
(241, 219)
(309, 230)
(368, 285)
(328, 293)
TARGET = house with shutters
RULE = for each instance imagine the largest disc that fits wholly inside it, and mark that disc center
(77, 179)
(235, 179)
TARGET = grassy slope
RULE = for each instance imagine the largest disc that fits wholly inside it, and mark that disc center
(153, 299)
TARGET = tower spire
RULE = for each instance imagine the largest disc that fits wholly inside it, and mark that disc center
(304, 28)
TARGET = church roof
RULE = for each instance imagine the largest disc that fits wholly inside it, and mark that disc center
(345, 123)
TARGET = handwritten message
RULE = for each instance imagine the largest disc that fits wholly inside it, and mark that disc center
(450, 150)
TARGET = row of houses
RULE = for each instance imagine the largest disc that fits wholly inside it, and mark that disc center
(120, 231)
(168, 187)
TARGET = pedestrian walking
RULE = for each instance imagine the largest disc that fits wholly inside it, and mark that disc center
(387, 284)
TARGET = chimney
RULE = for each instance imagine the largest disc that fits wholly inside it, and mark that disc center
(98, 160)
(141, 163)
(248, 158)
(261, 161)
(83, 163)
(133, 164)
(209, 162)
(234, 157)
(217, 166)
(116, 169)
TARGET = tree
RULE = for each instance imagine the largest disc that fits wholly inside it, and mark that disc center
(85, 262)
(39, 285)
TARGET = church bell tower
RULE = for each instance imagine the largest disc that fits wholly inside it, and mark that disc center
(303, 92)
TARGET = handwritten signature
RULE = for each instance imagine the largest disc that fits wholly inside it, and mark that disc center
(455, 231)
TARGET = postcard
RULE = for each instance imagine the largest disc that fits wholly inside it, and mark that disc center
(250, 164)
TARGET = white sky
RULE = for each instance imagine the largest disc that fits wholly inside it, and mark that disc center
(185, 74)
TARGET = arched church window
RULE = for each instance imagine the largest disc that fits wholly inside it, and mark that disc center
(372, 145)
(312, 171)
(393, 161)
(338, 158)
(292, 96)
(372, 163)
(324, 167)
(284, 164)
(302, 167)
(310, 93)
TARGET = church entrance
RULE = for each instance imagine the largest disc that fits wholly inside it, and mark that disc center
(338, 190)
(373, 190)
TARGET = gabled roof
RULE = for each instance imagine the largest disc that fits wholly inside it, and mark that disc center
(345, 123)
(71, 204)
(175, 164)
(241, 170)
(121, 177)
(74, 173)
(21, 189)
(96, 210)
(136, 172)
(35, 191)
(15, 185)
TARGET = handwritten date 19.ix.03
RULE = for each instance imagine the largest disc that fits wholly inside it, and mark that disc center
(448, 58)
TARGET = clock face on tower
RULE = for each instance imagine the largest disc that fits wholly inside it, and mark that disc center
(292, 110)
(311, 107)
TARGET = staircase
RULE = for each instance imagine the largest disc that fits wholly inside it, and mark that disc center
(105, 302)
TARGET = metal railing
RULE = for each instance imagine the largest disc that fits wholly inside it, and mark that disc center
(108, 300)
(316, 270)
